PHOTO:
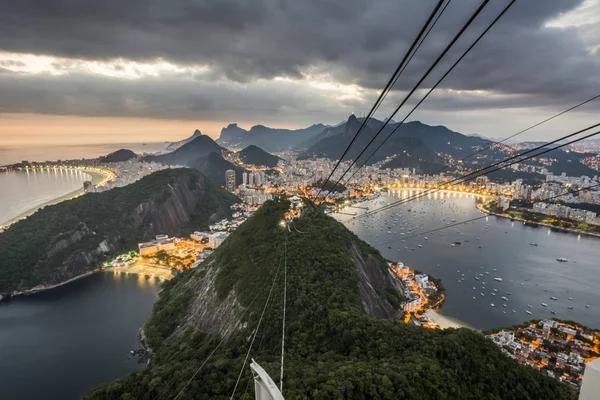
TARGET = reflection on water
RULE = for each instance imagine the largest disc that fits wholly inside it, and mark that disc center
(73, 338)
(494, 247)
(24, 190)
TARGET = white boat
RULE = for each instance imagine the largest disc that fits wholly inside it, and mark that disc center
(482, 294)
(553, 298)
(544, 305)
(498, 279)
(528, 312)
(504, 298)
(562, 259)
(492, 305)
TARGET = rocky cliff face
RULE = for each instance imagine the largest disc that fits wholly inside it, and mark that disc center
(78, 235)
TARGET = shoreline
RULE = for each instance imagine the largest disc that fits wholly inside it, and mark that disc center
(445, 322)
(569, 230)
(96, 177)
(44, 288)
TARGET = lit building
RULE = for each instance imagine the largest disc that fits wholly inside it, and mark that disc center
(215, 239)
(162, 242)
(230, 180)
(245, 178)
(503, 202)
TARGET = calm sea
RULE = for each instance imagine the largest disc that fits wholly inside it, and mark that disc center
(25, 190)
(494, 247)
(62, 343)
(12, 155)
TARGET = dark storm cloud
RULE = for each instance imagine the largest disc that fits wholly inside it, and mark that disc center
(170, 97)
(354, 41)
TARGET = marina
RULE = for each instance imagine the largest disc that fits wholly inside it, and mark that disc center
(497, 253)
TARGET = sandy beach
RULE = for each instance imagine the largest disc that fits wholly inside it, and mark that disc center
(96, 177)
(442, 321)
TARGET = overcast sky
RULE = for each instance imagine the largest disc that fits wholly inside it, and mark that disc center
(153, 70)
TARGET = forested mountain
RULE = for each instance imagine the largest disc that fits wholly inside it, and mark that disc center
(213, 166)
(342, 340)
(198, 147)
(68, 239)
(118, 156)
(254, 155)
(270, 139)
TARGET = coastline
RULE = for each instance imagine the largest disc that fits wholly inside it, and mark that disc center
(96, 177)
(570, 230)
(43, 288)
(443, 321)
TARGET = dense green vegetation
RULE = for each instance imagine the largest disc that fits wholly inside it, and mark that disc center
(334, 350)
(57, 240)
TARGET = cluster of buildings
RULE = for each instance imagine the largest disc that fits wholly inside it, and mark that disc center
(160, 243)
(560, 349)
(128, 172)
(219, 231)
(254, 179)
(418, 290)
(565, 212)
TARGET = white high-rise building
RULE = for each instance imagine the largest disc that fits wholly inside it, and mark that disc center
(245, 178)
(251, 179)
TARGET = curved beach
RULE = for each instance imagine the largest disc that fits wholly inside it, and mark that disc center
(96, 176)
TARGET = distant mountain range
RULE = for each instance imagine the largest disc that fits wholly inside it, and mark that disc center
(198, 146)
(413, 145)
(270, 139)
(254, 155)
(202, 153)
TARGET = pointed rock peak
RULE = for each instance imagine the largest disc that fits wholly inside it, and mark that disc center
(232, 126)
(197, 133)
(352, 125)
